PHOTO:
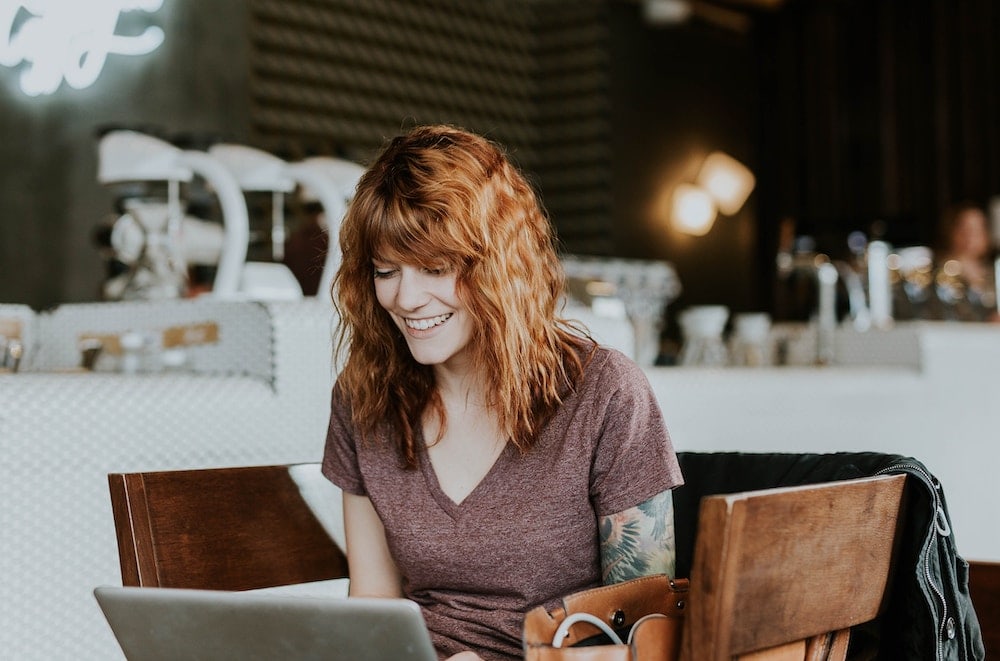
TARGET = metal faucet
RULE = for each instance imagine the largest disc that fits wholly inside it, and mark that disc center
(857, 299)
(827, 275)
(866, 308)
(826, 314)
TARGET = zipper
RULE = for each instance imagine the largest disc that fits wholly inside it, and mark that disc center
(939, 516)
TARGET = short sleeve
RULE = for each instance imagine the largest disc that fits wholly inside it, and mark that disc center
(634, 458)
(340, 456)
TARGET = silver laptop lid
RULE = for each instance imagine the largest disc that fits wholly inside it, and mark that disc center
(157, 624)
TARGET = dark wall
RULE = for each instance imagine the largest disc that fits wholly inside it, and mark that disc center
(301, 78)
(50, 200)
(879, 114)
(678, 93)
(340, 76)
(870, 115)
(848, 111)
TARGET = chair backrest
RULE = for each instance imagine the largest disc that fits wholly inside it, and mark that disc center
(784, 573)
(225, 529)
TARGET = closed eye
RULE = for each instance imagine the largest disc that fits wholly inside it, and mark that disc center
(383, 272)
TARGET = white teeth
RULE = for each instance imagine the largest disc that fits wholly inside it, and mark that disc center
(424, 324)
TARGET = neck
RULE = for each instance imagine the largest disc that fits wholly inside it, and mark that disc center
(464, 389)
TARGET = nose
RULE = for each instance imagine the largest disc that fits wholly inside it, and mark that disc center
(412, 292)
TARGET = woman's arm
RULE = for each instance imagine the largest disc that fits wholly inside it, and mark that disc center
(638, 541)
(373, 572)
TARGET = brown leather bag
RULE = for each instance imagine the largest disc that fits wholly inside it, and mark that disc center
(650, 609)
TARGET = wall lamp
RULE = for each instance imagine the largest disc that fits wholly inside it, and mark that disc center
(723, 186)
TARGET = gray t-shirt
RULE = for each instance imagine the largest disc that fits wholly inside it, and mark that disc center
(527, 534)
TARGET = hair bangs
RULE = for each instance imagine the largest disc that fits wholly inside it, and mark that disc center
(416, 234)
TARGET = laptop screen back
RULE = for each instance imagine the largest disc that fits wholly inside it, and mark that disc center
(156, 624)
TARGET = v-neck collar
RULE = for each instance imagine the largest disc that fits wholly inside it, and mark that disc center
(444, 501)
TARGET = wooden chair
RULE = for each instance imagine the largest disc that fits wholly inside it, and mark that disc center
(782, 574)
(224, 529)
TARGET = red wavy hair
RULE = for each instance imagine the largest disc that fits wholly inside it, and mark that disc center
(437, 196)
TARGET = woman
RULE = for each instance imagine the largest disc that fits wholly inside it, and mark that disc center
(492, 456)
(965, 280)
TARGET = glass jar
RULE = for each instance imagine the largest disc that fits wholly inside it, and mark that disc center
(702, 327)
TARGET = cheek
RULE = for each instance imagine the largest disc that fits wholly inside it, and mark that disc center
(384, 293)
(453, 292)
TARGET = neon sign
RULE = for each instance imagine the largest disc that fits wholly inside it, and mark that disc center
(57, 40)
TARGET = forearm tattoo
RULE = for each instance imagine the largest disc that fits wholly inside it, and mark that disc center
(639, 541)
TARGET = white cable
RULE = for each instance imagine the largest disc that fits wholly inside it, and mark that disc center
(572, 619)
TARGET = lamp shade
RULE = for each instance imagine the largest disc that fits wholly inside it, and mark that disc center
(727, 180)
(693, 210)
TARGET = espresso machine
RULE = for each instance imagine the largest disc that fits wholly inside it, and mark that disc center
(325, 179)
(158, 240)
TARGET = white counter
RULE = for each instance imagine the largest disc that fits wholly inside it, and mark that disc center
(61, 434)
(945, 413)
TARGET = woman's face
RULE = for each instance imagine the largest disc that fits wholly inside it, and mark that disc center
(971, 235)
(425, 306)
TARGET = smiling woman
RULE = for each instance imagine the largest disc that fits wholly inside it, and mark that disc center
(493, 457)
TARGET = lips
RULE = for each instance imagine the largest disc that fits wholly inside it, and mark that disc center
(428, 322)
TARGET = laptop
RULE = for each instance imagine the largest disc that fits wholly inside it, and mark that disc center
(157, 624)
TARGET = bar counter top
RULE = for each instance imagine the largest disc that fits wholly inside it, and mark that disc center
(944, 412)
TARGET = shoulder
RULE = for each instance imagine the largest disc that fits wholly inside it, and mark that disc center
(608, 367)
(340, 405)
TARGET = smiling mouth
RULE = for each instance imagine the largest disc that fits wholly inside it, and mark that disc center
(431, 322)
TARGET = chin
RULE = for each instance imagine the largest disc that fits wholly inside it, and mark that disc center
(425, 361)
(427, 358)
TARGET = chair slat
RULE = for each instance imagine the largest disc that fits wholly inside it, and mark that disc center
(226, 529)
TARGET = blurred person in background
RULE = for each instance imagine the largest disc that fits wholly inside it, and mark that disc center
(965, 279)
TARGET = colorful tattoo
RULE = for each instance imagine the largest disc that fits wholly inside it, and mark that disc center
(638, 541)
